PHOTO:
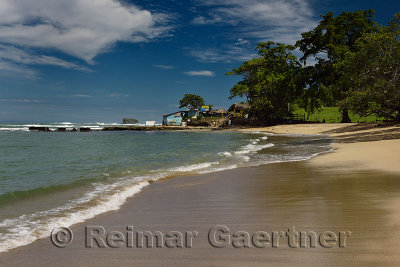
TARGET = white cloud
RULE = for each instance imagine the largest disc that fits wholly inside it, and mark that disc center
(21, 100)
(17, 70)
(275, 20)
(81, 28)
(206, 73)
(241, 41)
(97, 96)
(81, 96)
(118, 95)
(226, 54)
(13, 55)
(164, 67)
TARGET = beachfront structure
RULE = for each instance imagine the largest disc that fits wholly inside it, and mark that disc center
(150, 124)
(191, 113)
(239, 109)
(219, 113)
(173, 119)
(206, 108)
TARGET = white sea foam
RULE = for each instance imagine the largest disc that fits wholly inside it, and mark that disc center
(226, 154)
(9, 129)
(218, 169)
(193, 167)
(245, 151)
(252, 148)
(27, 229)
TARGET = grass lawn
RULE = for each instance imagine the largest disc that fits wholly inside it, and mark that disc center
(332, 115)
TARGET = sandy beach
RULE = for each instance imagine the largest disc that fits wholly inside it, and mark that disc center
(357, 146)
(353, 190)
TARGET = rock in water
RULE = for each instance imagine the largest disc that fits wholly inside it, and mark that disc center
(129, 121)
(39, 129)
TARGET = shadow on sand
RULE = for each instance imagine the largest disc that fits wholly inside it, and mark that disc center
(376, 132)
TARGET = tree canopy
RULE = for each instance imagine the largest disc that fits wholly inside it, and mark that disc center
(372, 73)
(191, 101)
(269, 81)
(357, 67)
(329, 43)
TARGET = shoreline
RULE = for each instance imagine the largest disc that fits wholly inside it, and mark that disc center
(149, 210)
(356, 146)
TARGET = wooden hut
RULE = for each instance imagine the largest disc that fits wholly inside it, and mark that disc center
(239, 109)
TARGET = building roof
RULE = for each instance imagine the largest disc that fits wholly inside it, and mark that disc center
(172, 113)
(221, 110)
(239, 107)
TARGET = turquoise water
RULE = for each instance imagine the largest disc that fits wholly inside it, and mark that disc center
(48, 179)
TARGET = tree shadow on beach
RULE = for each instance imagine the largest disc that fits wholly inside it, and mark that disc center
(372, 132)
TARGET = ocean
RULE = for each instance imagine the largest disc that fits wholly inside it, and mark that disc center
(53, 179)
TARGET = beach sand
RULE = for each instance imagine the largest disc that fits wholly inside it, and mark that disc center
(354, 189)
(357, 146)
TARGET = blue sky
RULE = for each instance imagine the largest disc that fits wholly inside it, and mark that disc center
(103, 60)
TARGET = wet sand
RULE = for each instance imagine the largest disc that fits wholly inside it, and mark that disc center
(268, 198)
(332, 192)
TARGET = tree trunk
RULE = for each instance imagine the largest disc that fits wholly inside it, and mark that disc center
(345, 116)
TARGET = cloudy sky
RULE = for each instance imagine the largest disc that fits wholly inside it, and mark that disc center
(102, 60)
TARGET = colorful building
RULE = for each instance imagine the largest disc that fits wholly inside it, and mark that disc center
(173, 119)
(206, 108)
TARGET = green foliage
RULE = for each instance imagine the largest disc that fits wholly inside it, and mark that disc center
(372, 73)
(335, 36)
(333, 115)
(191, 101)
(270, 81)
(357, 68)
(329, 43)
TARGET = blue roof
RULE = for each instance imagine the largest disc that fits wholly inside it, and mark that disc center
(172, 113)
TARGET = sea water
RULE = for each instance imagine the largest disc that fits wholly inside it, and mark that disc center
(52, 179)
